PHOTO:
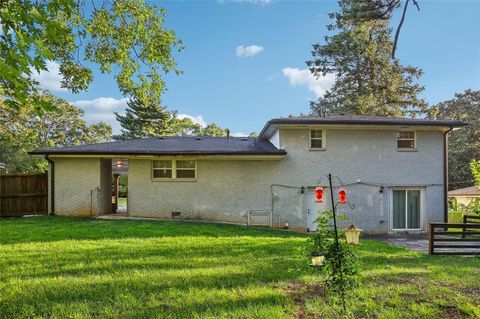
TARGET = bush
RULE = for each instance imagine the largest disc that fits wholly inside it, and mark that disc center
(341, 264)
(455, 215)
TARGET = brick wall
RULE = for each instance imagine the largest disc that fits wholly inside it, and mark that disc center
(226, 190)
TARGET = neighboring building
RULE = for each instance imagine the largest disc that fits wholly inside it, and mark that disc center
(393, 170)
(464, 196)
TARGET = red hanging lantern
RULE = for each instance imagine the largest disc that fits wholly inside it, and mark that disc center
(342, 196)
(319, 194)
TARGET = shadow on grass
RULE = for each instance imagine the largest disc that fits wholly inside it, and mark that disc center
(166, 277)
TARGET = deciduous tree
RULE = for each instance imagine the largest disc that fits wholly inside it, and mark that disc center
(23, 130)
(463, 144)
(124, 37)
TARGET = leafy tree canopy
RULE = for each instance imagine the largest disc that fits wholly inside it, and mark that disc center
(475, 168)
(126, 37)
(368, 80)
(463, 144)
(23, 130)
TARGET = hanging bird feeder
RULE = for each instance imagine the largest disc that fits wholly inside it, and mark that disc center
(353, 235)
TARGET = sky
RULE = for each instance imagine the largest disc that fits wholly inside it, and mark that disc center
(244, 60)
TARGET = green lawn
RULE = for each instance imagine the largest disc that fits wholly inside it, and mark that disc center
(122, 201)
(82, 268)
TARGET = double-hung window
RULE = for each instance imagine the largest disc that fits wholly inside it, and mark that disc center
(185, 169)
(406, 140)
(162, 169)
(317, 139)
(174, 169)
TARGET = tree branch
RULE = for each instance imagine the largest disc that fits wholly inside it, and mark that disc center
(397, 33)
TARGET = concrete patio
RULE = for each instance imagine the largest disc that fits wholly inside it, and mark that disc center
(416, 242)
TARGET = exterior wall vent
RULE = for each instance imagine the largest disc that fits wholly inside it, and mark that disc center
(176, 215)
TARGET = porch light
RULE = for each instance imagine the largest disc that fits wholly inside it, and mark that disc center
(353, 235)
(317, 260)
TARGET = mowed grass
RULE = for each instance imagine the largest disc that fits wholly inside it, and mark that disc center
(52, 267)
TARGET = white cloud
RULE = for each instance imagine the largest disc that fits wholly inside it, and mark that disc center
(243, 51)
(101, 109)
(195, 119)
(239, 134)
(303, 77)
(102, 103)
(50, 79)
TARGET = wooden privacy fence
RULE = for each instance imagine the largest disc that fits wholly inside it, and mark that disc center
(23, 194)
(454, 239)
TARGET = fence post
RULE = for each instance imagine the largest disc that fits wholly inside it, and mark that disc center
(464, 221)
(430, 238)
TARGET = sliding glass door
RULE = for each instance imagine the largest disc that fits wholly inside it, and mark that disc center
(406, 209)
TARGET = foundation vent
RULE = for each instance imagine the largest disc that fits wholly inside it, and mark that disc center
(176, 215)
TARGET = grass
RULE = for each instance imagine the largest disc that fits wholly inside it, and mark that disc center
(122, 201)
(53, 267)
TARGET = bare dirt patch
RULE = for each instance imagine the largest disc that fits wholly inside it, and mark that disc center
(300, 291)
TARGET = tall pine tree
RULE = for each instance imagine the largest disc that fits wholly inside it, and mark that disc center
(154, 120)
(368, 80)
(144, 120)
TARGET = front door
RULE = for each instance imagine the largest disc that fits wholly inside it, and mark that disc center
(406, 209)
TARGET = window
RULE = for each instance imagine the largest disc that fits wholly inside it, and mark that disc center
(406, 140)
(171, 169)
(317, 140)
(162, 169)
(185, 169)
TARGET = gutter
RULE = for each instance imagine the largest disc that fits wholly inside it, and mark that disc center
(52, 184)
(445, 174)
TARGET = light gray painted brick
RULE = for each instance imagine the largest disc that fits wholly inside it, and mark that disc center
(226, 190)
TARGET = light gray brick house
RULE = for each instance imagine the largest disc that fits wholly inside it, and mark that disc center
(393, 170)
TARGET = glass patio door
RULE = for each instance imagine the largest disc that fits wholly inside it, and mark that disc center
(406, 209)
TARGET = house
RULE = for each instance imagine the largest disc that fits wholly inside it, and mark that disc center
(464, 196)
(393, 170)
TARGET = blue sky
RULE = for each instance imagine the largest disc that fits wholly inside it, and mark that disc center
(241, 88)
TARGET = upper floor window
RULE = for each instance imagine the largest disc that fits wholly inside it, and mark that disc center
(317, 139)
(174, 169)
(406, 140)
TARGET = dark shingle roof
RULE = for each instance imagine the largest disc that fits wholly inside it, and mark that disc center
(472, 190)
(360, 120)
(174, 145)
